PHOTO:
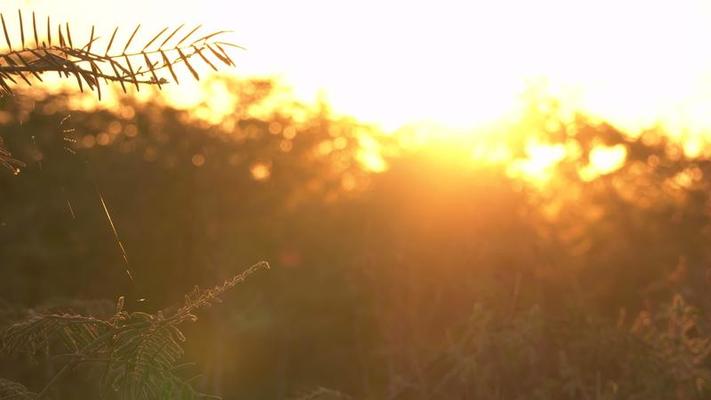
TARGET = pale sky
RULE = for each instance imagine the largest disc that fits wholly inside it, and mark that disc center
(459, 63)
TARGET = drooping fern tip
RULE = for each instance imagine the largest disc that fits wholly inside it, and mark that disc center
(129, 63)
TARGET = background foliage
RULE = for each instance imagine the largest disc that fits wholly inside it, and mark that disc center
(437, 278)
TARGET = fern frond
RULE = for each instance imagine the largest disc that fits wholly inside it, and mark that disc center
(201, 298)
(10, 390)
(88, 66)
(139, 352)
(53, 332)
(142, 361)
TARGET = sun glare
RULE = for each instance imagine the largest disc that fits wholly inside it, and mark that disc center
(540, 162)
(460, 64)
(454, 77)
(604, 160)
